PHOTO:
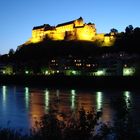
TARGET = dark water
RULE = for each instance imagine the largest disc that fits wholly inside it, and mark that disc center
(20, 107)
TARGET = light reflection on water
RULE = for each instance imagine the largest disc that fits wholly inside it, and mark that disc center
(99, 99)
(23, 105)
(27, 97)
(4, 91)
(73, 94)
(127, 95)
(47, 100)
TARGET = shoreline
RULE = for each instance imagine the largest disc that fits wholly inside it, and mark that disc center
(105, 82)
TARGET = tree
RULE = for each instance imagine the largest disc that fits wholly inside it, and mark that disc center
(137, 32)
(113, 30)
(11, 52)
(129, 29)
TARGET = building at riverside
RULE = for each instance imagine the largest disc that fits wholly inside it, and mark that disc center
(119, 64)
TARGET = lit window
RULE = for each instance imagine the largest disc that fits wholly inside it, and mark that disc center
(78, 64)
(74, 72)
(3, 72)
(26, 72)
(88, 65)
(100, 73)
(128, 71)
(46, 72)
(53, 61)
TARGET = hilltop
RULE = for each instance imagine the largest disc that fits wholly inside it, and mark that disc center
(76, 30)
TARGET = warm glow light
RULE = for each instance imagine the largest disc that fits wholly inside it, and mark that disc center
(85, 36)
(76, 30)
(88, 65)
(107, 39)
(53, 61)
(35, 40)
(78, 64)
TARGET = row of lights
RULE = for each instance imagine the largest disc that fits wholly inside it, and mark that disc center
(127, 71)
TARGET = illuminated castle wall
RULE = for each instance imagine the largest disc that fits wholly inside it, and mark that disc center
(73, 30)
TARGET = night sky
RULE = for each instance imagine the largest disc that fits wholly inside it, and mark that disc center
(18, 17)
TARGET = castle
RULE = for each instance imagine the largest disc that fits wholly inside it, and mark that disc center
(73, 30)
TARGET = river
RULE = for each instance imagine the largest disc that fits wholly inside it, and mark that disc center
(21, 106)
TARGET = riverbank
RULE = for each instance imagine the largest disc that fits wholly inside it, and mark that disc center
(72, 81)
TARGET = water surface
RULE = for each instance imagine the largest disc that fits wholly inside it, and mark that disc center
(21, 106)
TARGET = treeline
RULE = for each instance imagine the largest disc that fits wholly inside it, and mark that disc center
(48, 50)
(129, 40)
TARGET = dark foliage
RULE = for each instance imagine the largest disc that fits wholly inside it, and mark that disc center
(51, 128)
(123, 121)
(83, 126)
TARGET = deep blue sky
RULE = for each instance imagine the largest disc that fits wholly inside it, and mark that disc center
(17, 17)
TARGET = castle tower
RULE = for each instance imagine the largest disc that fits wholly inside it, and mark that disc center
(79, 22)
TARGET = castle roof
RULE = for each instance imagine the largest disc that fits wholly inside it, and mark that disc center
(90, 23)
(70, 22)
(48, 27)
(38, 27)
(66, 23)
(42, 26)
